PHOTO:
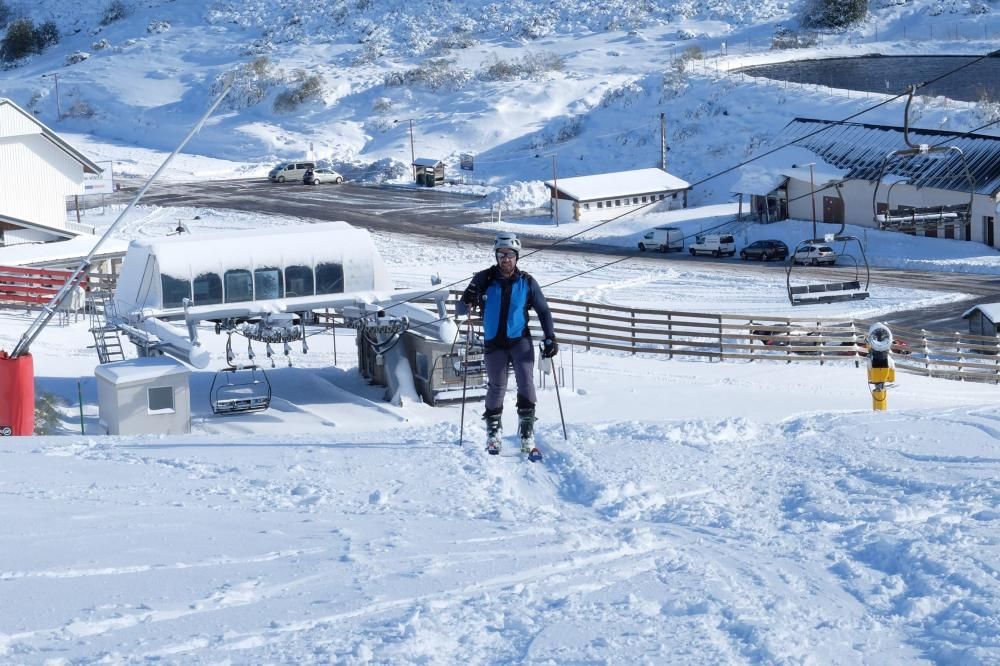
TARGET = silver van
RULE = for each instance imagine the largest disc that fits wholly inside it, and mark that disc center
(290, 171)
(664, 239)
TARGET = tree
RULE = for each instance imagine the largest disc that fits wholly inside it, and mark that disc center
(115, 11)
(19, 41)
(4, 13)
(836, 14)
(46, 35)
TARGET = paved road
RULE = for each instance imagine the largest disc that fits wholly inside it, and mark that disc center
(429, 213)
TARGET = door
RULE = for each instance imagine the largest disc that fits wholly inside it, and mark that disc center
(833, 210)
(988, 237)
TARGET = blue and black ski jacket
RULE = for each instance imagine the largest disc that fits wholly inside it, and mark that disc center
(504, 303)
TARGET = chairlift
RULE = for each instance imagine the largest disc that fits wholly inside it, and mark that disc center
(238, 389)
(893, 218)
(828, 292)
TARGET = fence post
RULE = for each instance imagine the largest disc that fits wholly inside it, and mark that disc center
(721, 348)
(633, 332)
(927, 352)
(958, 349)
(670, 334)
(822, 345)
(586, 309)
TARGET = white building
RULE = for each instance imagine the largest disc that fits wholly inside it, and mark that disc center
(38, 171)
(608, 195)
(838, 172)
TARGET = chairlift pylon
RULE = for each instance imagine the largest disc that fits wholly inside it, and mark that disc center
(935, 214)
(828, 292)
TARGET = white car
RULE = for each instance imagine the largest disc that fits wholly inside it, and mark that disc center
(322, 175)
(713, 244)
(815, 255)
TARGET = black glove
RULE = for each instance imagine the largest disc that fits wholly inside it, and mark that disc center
(549, 348)
(472, 297)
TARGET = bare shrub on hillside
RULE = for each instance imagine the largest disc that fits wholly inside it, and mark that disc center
(986, 110)
(382, 105)
(834, 14)
(623, 96)
(791, 39)
(310, 87)
(115, 11)
(80, 108)
(569, 129)
(434, 74)
(252, 82)
(23, 39)
(530, 65)
(5, 13)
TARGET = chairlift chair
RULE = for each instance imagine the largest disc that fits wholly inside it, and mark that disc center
(828, 292)
(240, 389)
(924, 151)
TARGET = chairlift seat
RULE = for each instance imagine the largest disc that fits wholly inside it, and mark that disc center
(829, 292)
(245, 389)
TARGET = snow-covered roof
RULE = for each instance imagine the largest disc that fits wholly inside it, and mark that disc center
(64, 252)
(426, 162)
(762, 176)
(37, 226)
(990, 310)
(859, 149)
(619, 184)
(136, 370)
(87, 163)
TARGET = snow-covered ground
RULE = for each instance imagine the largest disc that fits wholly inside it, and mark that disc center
(697, 513)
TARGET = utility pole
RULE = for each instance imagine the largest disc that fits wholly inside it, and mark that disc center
(812, 195)
(555, 190)
(55, 77)
(663, 141)
(413, 157)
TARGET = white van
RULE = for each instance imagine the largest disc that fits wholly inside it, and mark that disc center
(664, 239)
(290, 171)
(714, 244)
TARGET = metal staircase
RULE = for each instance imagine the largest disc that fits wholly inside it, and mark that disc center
(107, 340)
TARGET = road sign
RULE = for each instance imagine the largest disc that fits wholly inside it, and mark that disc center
(466, 162)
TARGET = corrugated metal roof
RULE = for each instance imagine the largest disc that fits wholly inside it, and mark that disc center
(860, 149)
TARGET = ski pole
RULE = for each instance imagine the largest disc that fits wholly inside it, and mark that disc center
(555, 380)
(465, 377)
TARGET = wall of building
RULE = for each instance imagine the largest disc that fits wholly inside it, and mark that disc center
(588, 211)
(37, 178)
(857, 195)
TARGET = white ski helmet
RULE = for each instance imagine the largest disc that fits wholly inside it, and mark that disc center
(507, 239)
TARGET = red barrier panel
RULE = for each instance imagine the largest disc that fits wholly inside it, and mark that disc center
(17, 395)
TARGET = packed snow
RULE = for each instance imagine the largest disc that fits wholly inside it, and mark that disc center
(696, 512)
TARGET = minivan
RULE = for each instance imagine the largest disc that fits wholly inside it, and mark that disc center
(664, 239)
(714, 244)
(290, 171)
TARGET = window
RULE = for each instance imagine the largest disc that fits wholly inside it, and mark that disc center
(160, 399)
(329, 278)
(298, 281)
(644, 200)
(600, 204)
(635, 200)
(423, 366)
(267, 283)
(239, 286)
(586, 206)
(208, 289)
(175, 291)
(662, 196)
(618, 202)
(607, 203)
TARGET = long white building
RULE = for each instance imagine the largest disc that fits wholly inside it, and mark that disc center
(38, 171)
(607, 195)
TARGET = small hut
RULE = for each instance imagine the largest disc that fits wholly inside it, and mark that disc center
(428, 172)
(984, 319)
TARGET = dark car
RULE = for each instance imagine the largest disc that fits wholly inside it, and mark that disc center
(765, 250)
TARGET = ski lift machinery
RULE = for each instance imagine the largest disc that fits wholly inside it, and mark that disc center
(926, 152)
(239, 388)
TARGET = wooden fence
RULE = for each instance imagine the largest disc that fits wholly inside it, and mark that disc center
(755, 338)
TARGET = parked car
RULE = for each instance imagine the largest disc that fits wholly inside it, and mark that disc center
(765, 250)
(289, 171)
(663, 239)
(815, 255)
(320, 176)
(713, 244)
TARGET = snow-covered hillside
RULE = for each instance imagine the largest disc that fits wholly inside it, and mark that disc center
(510, 83)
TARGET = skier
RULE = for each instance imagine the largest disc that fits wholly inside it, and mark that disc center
(504, 293)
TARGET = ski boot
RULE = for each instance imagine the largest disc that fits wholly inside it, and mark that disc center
(526, 429)
(494, 433)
